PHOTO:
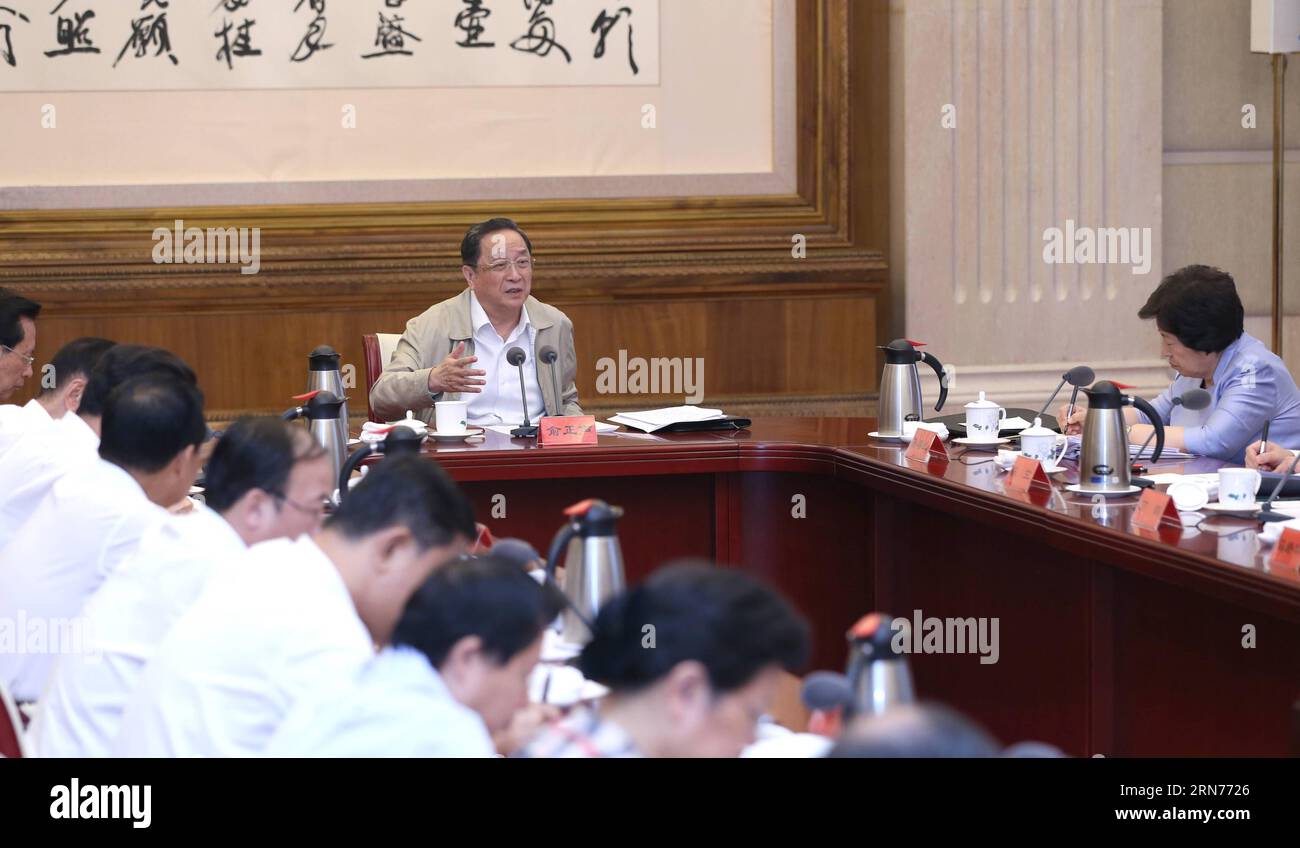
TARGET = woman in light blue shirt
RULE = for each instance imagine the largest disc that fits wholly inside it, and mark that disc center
(1200, 320)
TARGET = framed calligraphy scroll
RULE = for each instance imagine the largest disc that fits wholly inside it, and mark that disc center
(356, 110)
(135, 45)
(747, 190)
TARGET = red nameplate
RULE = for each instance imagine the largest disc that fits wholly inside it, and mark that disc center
(1153, 509)
(925, 444)
(567, 430)
(1025, 473)
(1286, 553)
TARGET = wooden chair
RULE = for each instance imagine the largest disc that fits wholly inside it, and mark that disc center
(378, 349)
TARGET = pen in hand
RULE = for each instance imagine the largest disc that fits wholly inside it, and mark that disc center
(1263, 439)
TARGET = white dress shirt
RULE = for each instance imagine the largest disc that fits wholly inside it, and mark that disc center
(399, 706)
(16, 421)
(266, 631)
(38, 458)
(81, 709)
(91, 520)
(499, 402)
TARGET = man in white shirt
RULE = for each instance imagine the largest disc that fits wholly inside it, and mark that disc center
(267, 479)
(93, 519)
(42, 456)
(295, 618)
(71, 366)
(456, 673)
(17, 340)
(458, 349)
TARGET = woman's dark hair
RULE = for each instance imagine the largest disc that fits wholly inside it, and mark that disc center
(255, 453)
(469, 245)
(149, 420)
(1200, 306)
(487, 597)
(729, 622)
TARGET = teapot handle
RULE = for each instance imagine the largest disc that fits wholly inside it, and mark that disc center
(1146, 409)
(558, 546)
(345, 473)
(929, 359)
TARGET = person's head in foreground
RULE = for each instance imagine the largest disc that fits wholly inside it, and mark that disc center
(17, 340)
(72, 367)
(153, 429)
(915, 730)
(692, 658)
(123, 362)
(1198, 314)
(480, 623)
(402, 520)
(268, 479)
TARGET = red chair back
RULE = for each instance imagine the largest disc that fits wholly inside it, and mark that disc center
(374, 365)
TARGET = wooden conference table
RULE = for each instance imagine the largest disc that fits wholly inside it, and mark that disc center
(1111, 640)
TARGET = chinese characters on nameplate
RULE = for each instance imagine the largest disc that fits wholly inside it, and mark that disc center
(137, 45)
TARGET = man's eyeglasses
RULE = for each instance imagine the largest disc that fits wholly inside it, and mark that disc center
(522, 264)
(24, 357)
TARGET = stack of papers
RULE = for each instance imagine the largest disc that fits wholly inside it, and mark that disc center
(1167, 453)
(1075, 443)
(656, 419)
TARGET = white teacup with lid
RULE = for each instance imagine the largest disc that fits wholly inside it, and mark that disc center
(983, 420)
(1038, 442)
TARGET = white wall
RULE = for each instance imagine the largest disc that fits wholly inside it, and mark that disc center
(1058, 109)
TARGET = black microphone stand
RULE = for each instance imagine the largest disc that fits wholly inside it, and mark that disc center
(1266, 512)
(527, 431)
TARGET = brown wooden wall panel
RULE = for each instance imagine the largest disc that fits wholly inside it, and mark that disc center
(709, 277)
(252, 359)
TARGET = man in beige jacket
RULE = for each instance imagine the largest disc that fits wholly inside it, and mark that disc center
(457, 349)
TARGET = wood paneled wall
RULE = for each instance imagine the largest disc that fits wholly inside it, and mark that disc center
(709, 277)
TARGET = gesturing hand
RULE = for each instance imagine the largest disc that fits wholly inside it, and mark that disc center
(455, 374)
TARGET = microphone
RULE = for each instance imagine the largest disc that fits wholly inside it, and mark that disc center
(825, 690)
(1078, 376)
(1192, 399)
(828, 697)
(515, 356)
(1266, 513)
(548, 355)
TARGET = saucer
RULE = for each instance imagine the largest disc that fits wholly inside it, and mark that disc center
(980, 443)
(1074, 487)
(1220, 506)
(469, 432)
(1049, 469)
(873, 434)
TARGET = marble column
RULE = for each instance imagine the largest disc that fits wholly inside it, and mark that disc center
(1012, 117)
